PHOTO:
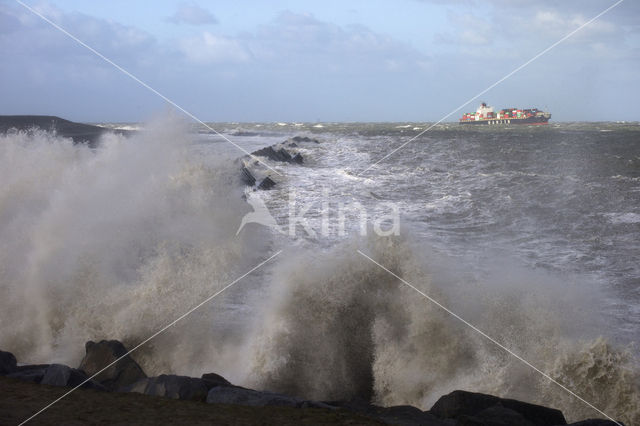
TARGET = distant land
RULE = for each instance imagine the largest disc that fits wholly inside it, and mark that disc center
(79, 132)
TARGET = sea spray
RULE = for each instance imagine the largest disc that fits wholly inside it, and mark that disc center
(117, 242)
(338, 327)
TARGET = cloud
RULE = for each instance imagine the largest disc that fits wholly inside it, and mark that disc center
(192, 14)
(525, 28)
(303, 41)
(37, 38)
(52, 74)
(210, 48)
(470, 30)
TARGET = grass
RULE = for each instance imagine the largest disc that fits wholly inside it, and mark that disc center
(20, 400)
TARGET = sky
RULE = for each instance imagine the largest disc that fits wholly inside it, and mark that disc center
(373, 60)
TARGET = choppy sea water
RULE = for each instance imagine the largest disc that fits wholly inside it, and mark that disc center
(563, 198)
(528, 233)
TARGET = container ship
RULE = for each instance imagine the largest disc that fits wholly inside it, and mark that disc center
(486, 115)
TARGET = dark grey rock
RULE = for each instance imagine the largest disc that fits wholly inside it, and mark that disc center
(62, 375)
(247, 177)
(304, 139)
(212, 380)
(242, 396)
(407, 415)
(30, 373)
(277, 154)
(459, 403)
(56, 375)
(123, 373)
(8, 363)
(297, 159)
(171, 386)
(266, 184)
(596, 422)
(462, 403)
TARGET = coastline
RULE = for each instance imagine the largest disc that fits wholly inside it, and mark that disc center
(123, 394)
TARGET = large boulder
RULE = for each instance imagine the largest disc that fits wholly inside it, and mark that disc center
(242, 396)
(462, 404)
(99, 355)
(62, 375)
(171, 386)
(278, 154)
(247, 177)
(406, 415)
(267, 183)
(8, 363)
(212, 380)
(304, 139)
(297, 159)
(30, 373)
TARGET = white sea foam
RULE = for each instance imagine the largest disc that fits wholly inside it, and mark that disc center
(338, 326)
(620, 218)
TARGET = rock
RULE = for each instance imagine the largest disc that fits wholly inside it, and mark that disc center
(462, 403)
(242, 396)
(8, 363)
(304, 139)
(252, 171)
(297, 159)
(596, 422)
(30, 373)
(407, 415)
(267, 183)
(171, 386)
(247, 177)
(276, 155)
(123, 373)
(292, 144)
(212, 380)
(459, 403)
(57, 375)
(62, 375)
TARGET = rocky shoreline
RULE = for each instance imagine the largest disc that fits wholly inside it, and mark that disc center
(255, 174)
(123, 375)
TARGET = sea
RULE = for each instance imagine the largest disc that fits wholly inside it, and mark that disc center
(400, 261)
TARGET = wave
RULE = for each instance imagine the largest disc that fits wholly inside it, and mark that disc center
(339, 327)
(116, 242)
